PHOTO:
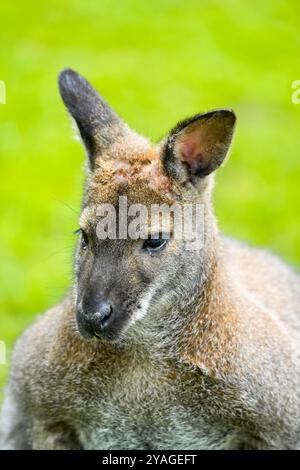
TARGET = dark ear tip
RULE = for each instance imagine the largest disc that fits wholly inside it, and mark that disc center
(228, 114)
(67, 79)
(65, 75)
(66, 72)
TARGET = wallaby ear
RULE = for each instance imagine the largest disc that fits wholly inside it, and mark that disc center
(97, 122)
(198, 146)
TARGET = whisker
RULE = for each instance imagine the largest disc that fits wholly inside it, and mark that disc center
(66, 205)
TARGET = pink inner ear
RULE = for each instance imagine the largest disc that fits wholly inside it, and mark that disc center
(190, 147)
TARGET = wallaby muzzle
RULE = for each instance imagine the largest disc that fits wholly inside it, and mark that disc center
(96, 314)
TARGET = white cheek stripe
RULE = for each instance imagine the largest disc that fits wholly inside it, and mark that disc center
(141, 312)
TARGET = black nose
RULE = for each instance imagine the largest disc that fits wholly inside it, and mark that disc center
(98, 311)
(104, 309)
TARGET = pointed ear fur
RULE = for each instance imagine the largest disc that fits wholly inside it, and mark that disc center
(198, 146)
(94, 118)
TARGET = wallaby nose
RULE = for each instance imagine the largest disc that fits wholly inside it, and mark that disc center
(98, 311)
(104, 309)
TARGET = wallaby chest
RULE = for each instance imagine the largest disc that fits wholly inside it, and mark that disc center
(145, 403)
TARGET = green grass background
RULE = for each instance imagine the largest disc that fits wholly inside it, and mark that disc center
(155, 62)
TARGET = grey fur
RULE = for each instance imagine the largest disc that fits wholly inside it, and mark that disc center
(207, 355)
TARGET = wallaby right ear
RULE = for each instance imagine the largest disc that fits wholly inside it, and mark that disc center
(97, 122)
(198, 146)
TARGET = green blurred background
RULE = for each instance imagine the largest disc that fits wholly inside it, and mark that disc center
(155, 62)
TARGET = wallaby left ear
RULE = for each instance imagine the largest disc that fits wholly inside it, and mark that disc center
(198, 146)
(98, 124)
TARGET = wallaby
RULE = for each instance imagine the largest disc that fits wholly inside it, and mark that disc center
(158, 346)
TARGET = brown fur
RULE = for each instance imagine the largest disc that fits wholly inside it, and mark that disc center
(213, 363)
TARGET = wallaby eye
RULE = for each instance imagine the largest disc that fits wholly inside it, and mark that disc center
(154, 245)
(84, 238)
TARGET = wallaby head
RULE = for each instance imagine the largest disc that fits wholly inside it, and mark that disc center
(119, 279)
